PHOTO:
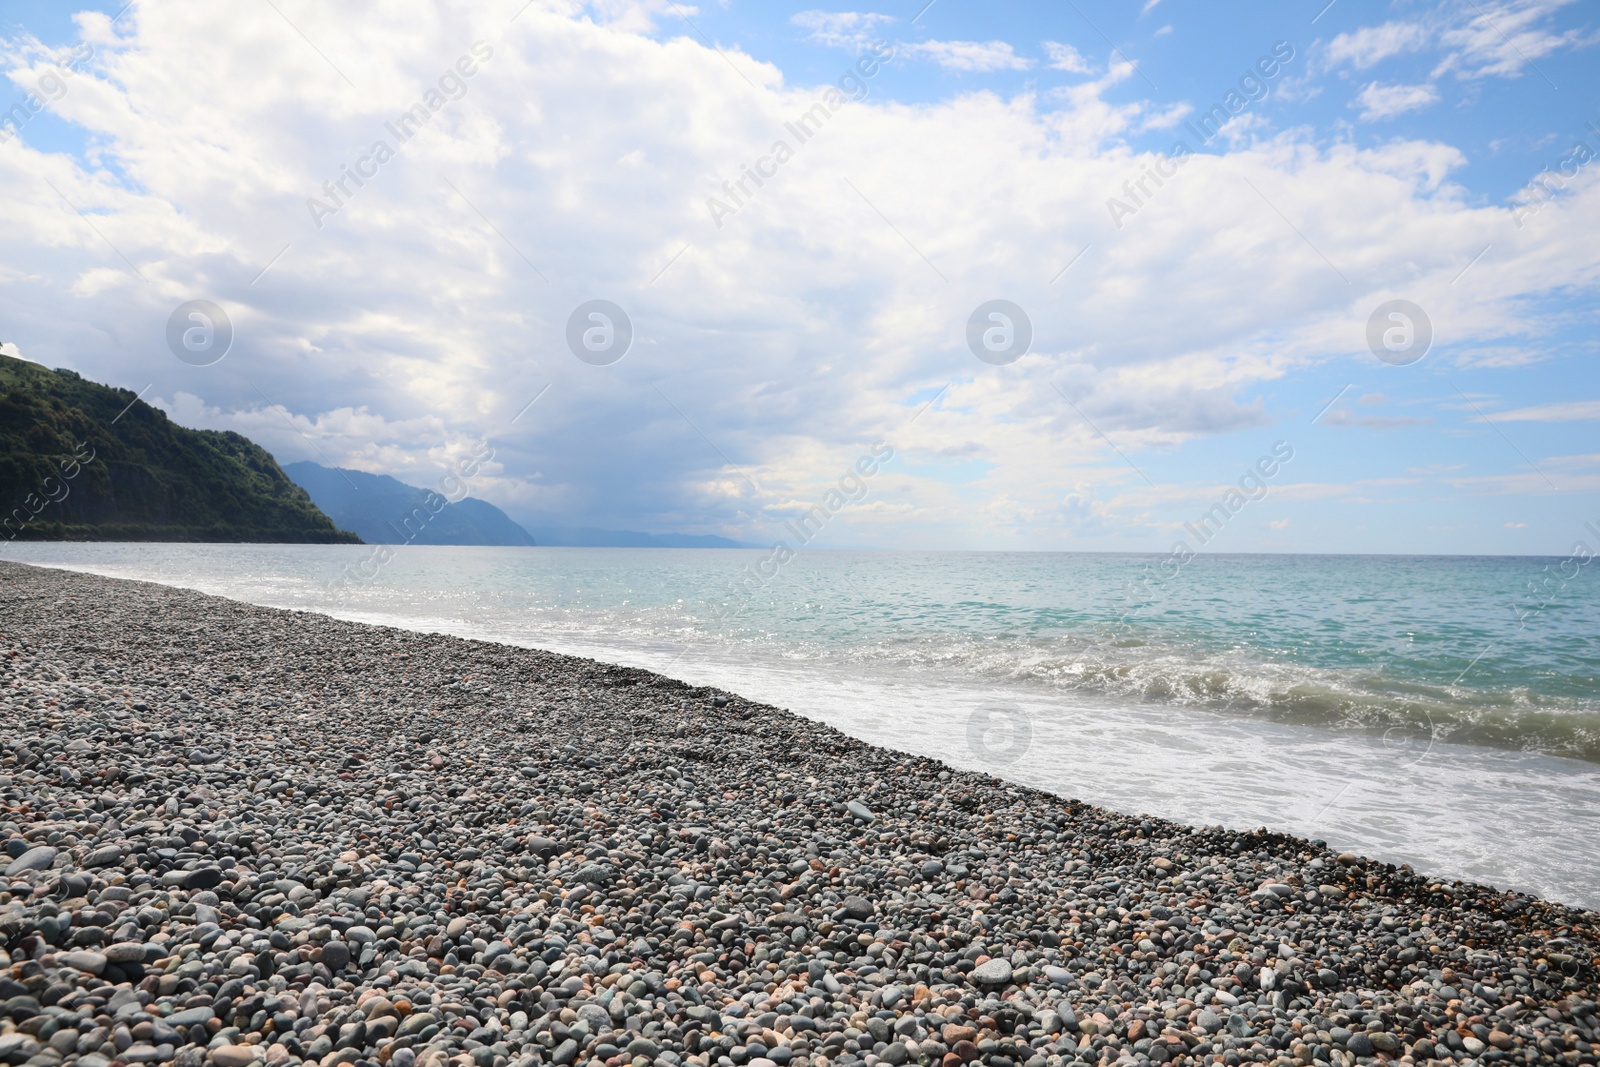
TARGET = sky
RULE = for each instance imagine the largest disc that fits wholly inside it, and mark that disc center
(1060, 276)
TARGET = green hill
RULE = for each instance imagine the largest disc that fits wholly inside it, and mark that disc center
(71, 469)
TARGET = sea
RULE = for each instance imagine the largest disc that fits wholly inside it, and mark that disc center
(1441, 711)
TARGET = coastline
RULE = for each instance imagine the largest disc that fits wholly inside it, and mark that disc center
(412, 849)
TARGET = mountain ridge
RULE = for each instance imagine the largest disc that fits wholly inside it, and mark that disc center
(383, 510)
(84, 461)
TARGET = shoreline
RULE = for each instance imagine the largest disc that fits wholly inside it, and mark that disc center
(519, 857)
(1152, 740)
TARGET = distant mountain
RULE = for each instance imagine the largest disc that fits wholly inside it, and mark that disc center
(81, 461)
(588, 537)
(387, 511)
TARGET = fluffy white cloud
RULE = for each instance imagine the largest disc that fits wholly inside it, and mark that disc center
(1371, 45)
(1498, 39)
(1571, 411)
(842, 29)
(969, 56)
(773, 344)
(1067, 58)
(1386, 101)
(1501, 39)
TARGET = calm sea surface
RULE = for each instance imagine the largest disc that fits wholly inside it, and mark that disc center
(1430, 710)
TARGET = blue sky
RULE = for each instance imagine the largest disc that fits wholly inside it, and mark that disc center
(1179, 331)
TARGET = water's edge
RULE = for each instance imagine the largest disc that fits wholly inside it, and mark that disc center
(1512, 819)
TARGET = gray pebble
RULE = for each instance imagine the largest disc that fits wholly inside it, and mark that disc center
(490, 833)
(992, 972)
(336, 956)
(39, 858)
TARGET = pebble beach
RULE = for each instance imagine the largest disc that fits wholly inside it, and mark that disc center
(237, 835)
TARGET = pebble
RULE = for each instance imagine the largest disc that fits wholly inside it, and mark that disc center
(287, 839)
(105, 856)
(235, 1055)
(857, 908)
(992, 972)
(336, 955)
(38, 858)
(89, 962)
(127, 952)
(202, 878)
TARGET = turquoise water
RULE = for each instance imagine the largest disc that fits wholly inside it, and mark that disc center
(1433, 710)
(1447, 646)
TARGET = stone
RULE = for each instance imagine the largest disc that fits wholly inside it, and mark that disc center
(336, 956)
(955, 1033)
(643, 1046)
(595, 1017)
(858, 908)
(996, 972)
(203, 878)
(19, 1045)
(38, 858)
(125, 952)
(595, 874)
(104, 856)
(88, 962)
(190, 1017)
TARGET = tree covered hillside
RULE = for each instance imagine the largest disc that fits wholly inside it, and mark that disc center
(71, 469)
